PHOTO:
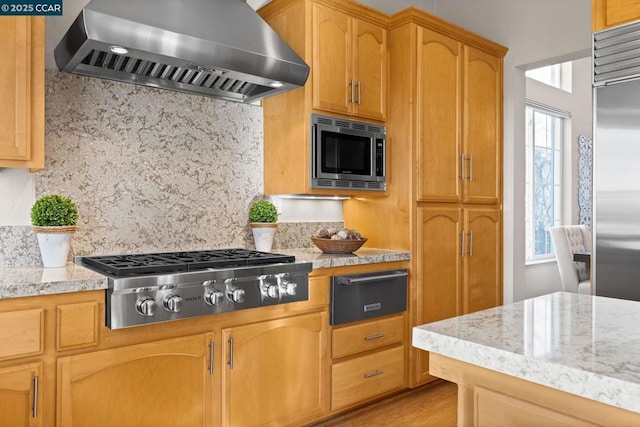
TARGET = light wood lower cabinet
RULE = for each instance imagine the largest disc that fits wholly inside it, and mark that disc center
(365, 365)
(274, 372)
(357, 380)
(20, 395)
(163, 383)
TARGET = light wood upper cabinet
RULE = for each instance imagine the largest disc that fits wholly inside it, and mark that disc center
(20, 398)
(349, 64)
(482, 127)
(274, 370)
(482, 260)
(459, 121)
(156, 384)
(439, 83)
(611, 13)
(22, 92)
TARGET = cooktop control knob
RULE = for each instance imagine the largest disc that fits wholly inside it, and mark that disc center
(289, 288)
(146, 306)
(213, 297)
(273, 291)
(172, 303)
(236, 295)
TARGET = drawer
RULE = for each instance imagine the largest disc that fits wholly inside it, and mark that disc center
(21, 333)
(77, 325)
(367, 336)
(359, 379)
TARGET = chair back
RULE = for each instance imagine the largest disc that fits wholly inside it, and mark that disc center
(567, 240)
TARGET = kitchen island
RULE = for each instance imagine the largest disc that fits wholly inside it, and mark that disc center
(557, 359)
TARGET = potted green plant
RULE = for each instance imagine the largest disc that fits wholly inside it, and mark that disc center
(54, 218)
(263, 216)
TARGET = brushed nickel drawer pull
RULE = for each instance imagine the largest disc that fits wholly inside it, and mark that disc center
(374, 373)
(373, 337)
(230, 363)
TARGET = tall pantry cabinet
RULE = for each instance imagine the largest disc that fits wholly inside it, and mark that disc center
(444, 170)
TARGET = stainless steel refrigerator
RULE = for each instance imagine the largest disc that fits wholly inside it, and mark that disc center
(616, 163)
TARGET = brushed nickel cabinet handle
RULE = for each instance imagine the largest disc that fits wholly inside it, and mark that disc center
(230, 353)
(359, 91)
(470, 168)
(211, 347)
(471, 243)
(462, 162)
(373, 337)
(374, 373)
(462, 244)
(352, 99)
(35, 396)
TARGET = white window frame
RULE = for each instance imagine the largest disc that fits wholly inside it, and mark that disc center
(530, 257)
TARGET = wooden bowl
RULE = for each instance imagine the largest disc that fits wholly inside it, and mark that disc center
(329, 246)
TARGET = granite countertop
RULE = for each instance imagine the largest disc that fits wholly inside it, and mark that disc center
(581, 344)
(361, 256)
(32, 281)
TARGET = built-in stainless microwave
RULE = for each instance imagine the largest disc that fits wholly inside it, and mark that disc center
(347, 154)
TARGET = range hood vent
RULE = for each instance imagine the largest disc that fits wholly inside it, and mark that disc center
(217, 48)
(616, 54)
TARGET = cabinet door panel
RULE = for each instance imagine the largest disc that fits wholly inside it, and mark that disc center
(17, 394)
(439, 121)
(277, 372)
(370, 69)
(483, 127)
(439, 272)
(482, 266)
(165, 383)
(22, 91)
(331, 60)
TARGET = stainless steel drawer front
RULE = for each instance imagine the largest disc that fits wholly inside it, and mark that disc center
(364, 296)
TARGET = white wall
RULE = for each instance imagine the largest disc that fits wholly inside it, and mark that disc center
(543, 278)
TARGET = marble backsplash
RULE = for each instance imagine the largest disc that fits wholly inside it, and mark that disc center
(150, 170)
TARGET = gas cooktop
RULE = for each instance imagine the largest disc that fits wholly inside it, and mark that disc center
(166, 286)
(174, 262)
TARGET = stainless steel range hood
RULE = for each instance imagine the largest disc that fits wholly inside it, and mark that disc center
(218, 48)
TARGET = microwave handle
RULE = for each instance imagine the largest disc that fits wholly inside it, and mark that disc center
(346, 280)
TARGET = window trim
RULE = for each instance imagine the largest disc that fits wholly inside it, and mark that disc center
(563, 115)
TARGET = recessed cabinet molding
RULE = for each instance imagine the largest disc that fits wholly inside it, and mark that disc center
(22, 92)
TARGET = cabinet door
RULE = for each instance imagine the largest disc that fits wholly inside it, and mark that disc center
(370, 69)
(274, 373)
(333, 84)
(439, 86)
(164, 383)
(610, 13)
(482, 127)
(22, 92)
(439, 278)
(482, 261)
(19, 395)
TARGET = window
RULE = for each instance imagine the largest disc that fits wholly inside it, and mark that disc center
(556, 75)
(543, 180)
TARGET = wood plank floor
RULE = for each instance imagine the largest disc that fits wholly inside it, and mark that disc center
(430, 405)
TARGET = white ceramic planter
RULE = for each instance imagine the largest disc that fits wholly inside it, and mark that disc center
(54, 245)
(263, 233)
